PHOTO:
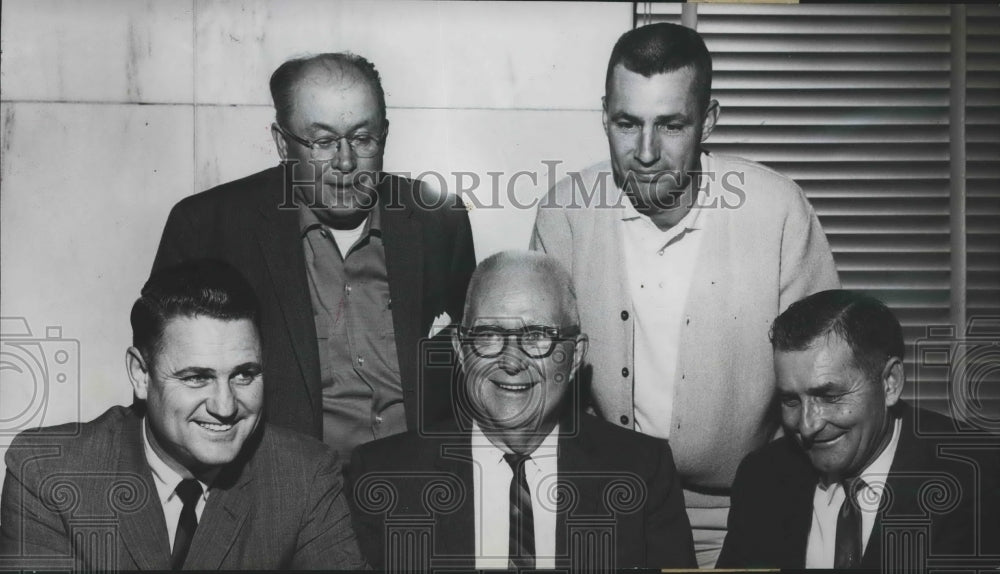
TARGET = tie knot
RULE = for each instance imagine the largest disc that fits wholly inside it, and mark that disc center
(188, 491)
(852, 486)
(516, 460)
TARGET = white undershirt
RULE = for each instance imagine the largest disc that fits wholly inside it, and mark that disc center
(491, 476)
(166, 481)
(660, 266)
(344, 239)
(828, 500)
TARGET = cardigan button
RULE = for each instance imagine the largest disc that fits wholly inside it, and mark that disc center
(624, 371)
(624, 315)
(624, 420)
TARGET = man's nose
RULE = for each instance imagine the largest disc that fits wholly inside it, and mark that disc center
(810, 420)
(343, 159)
(512, 361)
(648, 150)
(222, 403)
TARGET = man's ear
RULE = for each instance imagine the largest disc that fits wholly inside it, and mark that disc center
(579, 353)
(711, 118)
(138, 372)
(604, 115)
(456, 345)
(893, 378)
(279, 141)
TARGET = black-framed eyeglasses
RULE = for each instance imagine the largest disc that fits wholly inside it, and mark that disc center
(535, 341)
(363, 145)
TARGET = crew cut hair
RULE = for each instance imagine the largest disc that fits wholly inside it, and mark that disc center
(660, 48)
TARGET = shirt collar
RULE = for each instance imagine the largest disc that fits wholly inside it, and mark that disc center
(165, 478)
(689, 222)
(308, 221)
(542, 457)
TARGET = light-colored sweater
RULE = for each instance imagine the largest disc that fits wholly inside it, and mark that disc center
(763, 249)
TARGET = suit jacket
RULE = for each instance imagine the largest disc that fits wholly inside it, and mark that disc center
(762, 250)
(931, 495)
(89, 500)
(619, 503)
(253, 224)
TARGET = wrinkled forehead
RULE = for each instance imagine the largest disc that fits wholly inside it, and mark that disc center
(513, 301)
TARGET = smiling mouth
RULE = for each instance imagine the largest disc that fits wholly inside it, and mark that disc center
(514, 387)
(825, 443)
(215, 427)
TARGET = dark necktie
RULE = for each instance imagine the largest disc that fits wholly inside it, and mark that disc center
(189, 491)
(521, 548)
(848, 549)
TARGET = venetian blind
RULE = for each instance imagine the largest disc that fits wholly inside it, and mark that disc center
(854, 103)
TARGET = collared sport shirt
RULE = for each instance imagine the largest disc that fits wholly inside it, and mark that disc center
(660, 266)
(827, 501)
(491, 477)
(359, 367)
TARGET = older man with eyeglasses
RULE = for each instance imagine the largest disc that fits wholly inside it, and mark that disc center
(352, 265)
(524, 480)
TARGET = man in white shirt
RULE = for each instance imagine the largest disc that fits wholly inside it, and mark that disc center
(190, 477)
(849, 485)
(681, 257)
(523, 480)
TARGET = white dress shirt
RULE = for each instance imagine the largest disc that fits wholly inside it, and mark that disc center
(827, 501)
(660, 267)
(166, 480)
(491, 476)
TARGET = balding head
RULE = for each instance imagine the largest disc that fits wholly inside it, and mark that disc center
(341, 68)
(535, 272)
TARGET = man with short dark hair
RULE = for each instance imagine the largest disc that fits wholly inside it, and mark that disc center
(191, 477)
(680, 261)
(848, 485)
(525, 480)
(352, 265)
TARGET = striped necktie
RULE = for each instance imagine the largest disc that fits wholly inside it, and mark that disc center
(521, 548)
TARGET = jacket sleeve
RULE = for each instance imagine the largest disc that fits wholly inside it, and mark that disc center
(668, 532)
(369, 526)
(29, 529)
(463, 260)
(178, 241)
(740, 525)
(326, 538)
(807, 264)
(552, 233)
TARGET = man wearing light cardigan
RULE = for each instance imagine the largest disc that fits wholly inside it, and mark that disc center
(681, 258)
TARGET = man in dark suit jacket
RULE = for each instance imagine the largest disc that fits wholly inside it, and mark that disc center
(524, 480)
(346, 366)
(921, 498)
(190, 478)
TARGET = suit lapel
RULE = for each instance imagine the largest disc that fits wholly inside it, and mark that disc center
(144, 532)
(225, 513)
(909, 456)
(404, 259)
(457, 530)
(578, 499)
(798, 482)
(281, 247)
